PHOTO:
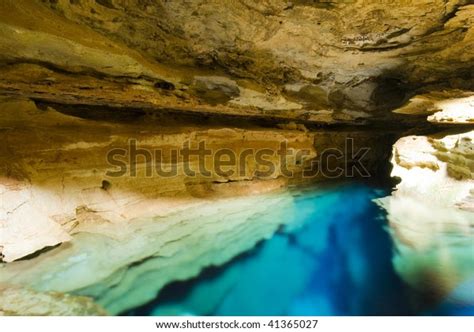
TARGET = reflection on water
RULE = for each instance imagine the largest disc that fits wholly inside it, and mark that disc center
(334, 258)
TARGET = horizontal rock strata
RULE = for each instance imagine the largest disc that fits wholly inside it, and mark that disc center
(17, 301)
(340, 62)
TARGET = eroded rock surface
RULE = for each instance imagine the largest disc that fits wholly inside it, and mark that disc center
(24, 302)
(453, 107)
(312, 61)
(144, 254)
(57, 169)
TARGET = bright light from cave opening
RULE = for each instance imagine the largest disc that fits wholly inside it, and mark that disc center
(459, 110)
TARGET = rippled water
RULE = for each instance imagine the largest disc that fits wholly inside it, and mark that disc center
(335, 257)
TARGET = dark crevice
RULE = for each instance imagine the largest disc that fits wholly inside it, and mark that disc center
(86, 71)
(106, 185)
(106, 3)
(164, 85)
(171, 117)
(38, 253)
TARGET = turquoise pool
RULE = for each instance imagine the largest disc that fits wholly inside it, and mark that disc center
(334, 258)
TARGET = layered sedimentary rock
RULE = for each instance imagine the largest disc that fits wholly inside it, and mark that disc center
(76, 174)
(61, 170)
(56, 169)
(431, 211)
(312, 61)
(451, 107)
(144, 254)
(19, 301)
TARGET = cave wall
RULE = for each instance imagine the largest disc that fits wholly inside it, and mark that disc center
(312, 61)
(79, 78)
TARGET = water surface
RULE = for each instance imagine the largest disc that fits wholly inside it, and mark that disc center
(333, 258)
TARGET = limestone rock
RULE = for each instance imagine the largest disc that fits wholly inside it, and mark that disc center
(431, 212)
(56, 170)
(126, 271)
(82, 78)
(17, 301)
(445, 107)
(350, 60)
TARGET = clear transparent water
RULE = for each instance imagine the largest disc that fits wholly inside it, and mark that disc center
(334, 258)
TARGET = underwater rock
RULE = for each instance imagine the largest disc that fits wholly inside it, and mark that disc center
(56, 168)
(17, 301)
(124, 272)
(311, 266)
(82, 79)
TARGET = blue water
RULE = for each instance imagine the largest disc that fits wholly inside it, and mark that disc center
(334, 258)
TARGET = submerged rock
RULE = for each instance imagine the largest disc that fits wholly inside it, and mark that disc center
(17, 301)
(122, 272)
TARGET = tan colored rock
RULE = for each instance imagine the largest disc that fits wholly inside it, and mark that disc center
(56, 179)
(312, 62)
(16, 301)
(126, 265)
(455, 111)
(446, 107)
(80, 78)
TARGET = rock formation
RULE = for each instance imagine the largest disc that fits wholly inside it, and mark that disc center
(24, 302)
(431, 211)
(80, 79)
(313, 61)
